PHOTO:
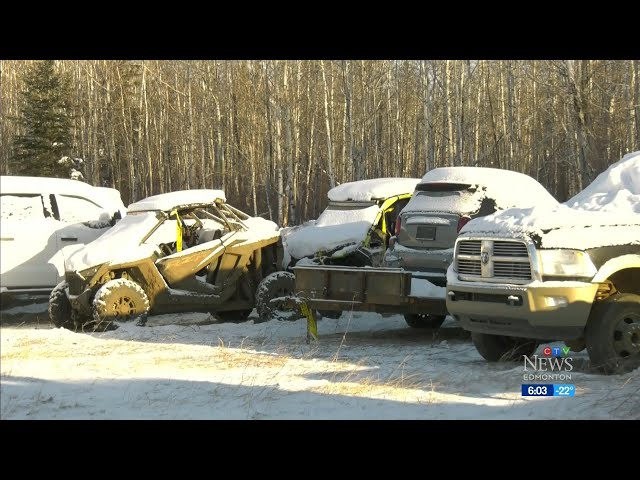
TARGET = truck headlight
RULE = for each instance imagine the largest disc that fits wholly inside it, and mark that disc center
(566, 263)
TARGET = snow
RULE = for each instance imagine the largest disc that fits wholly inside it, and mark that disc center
(563, 227)
(372, 189)
(108, 198)
(615, 189)
(363, 366)
(424, 288)
(507, 188)
(76, 175)
(168, 201)
(20, 208)
(259, 225)
(37, 185)
(337, 226)
(121, 240)
(334, 227)
(607, 212)
(428, 221)
(336, 217)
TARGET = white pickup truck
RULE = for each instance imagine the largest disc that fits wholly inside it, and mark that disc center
(39, 217)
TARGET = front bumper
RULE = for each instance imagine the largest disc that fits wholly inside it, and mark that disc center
(543, 310)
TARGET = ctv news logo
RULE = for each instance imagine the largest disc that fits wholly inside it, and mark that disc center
(554, 364)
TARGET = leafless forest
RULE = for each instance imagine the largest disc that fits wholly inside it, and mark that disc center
(276, 135)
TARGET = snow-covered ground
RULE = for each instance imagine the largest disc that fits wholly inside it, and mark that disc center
(364, 366)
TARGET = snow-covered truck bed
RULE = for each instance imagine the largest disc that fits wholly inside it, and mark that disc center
(382, 290)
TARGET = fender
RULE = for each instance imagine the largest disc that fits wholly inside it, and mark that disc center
(616, 264)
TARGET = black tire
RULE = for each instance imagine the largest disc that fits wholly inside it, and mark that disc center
(6, 299)
(613, 334)
(119, 300)
(335, 314)
(424, 320)
(276, 285)
(60, 307)
(500, 348)
(234, 316)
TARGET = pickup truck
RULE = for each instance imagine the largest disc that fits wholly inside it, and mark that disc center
(571, 273)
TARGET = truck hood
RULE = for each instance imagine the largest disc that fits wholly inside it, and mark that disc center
(561, 227)
(605, 213)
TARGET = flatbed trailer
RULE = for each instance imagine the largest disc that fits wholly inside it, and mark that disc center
(382, 290)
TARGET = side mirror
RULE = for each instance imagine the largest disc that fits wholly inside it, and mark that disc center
(116, 216)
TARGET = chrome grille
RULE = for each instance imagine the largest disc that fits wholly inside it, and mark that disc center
(521, 271)
(469, 267)
(489, 260)
(510, 249)
(469, 247)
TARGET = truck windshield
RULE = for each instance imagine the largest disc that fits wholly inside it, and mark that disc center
(341, 213)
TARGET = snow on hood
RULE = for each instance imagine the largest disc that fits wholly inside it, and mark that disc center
(332, 229)
(179, 198)
(121, 240)
(260, 224)
(607, 212)
(373, 189)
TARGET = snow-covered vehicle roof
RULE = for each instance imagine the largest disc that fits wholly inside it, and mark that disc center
(180, 198)
(107, 198)
(611, 201)
(10, 184)
(372, 189)
(507, 188)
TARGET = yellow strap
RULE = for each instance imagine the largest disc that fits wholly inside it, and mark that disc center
(312, 326)
(178, 232)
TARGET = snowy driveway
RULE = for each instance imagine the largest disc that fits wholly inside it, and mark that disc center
(364, 366)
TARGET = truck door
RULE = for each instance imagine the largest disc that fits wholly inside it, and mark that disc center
(28, 242)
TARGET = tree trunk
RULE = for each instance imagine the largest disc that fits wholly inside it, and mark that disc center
(332, 182)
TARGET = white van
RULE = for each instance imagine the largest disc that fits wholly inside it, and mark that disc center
(39, 217)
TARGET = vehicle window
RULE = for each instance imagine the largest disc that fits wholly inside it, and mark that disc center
(341, 214)
(77, 209)
(446, 197)
(21, 207)
(391, 214)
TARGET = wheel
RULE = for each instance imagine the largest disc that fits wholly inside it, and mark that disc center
(60, 307)
(335, 314)
(119, 300)
(424, 320)
(500, 348)
(235, 316)
(613, 334)
(5, 300)
(271, 294)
